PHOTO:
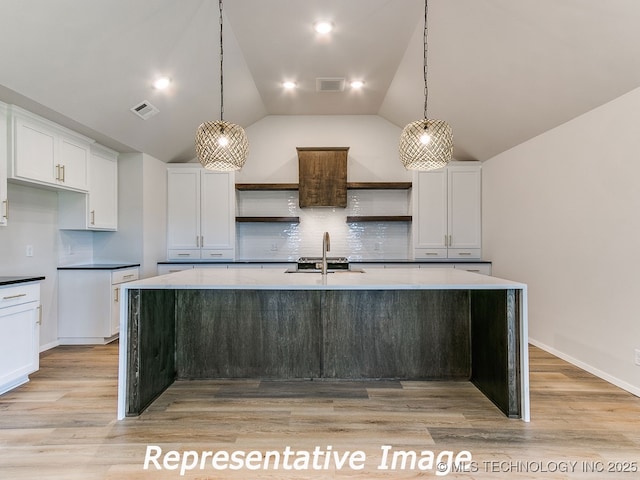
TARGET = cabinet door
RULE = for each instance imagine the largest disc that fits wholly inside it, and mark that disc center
(19, 343)
(72, 163)
(84, 306)
(183, 209)
(103, 193)
(34, 152)
(430, 204)
(4, 202)
(217, 213)
(114, 321)
(464, 212)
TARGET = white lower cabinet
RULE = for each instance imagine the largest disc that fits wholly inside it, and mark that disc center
(165, 268)
(89, 304)
(483, 268)
(20, 338)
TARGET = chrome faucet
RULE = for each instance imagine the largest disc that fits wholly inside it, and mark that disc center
(326, 246)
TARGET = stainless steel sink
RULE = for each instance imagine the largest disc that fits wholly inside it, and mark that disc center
(314, 265)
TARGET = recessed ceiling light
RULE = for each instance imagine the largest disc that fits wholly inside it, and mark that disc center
(357, 84)
(161, 83)
(323, 26)
(289, 85)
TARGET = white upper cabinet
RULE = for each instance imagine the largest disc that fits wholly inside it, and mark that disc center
(200, 214)
(4, 201)
(447, 213)
(103, 189)
(97, 210)
(44, 153)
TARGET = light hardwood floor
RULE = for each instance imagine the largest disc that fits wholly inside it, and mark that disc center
(62, 425)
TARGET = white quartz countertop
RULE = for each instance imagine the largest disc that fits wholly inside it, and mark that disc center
(370, 279)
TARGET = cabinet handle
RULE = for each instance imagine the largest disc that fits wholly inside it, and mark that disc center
(14, 296)
(117, 295)
(431, 253)
(6, 209)
(131, 275)
(58, 172)
(39, 322)
(198, 241)
(450, 242)
(62, 168)
(184, 254)
(215, 254)
(464, 253)
(93, 217)
(202, 240)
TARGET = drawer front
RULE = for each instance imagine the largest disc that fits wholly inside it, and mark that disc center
(430, 253)
(126, 275)
(211, 254)
(466, 253)
(164, 269)
(180, 254)
(436, 265)
(19, 294)
(483, 268)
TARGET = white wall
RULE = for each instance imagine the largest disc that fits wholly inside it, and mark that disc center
(373, 156)
(561, 213)
(154, 215)
(372, 142)
(142, 207)
(33, 220)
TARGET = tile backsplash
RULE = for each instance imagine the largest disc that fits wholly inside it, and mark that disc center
(357, 241)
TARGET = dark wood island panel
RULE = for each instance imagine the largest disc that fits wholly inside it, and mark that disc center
(342, 334)
(248, 334)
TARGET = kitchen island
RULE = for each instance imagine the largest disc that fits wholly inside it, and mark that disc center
(440, 324)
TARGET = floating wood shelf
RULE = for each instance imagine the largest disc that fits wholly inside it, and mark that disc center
(379, 218)
(266, 186)
(268, 219)
(350, 186)
(378, 185)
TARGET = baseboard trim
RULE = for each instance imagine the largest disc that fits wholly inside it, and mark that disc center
(585, 366)
(49, 346)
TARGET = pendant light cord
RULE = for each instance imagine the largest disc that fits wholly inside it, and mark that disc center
(221, 70)
(424, 53)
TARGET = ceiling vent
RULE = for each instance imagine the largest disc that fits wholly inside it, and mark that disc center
(144, 110)
(330, 84)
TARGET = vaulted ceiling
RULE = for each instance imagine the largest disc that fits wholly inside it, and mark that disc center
(500, 71)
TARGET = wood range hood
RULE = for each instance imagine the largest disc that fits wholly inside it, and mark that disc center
(322, 176)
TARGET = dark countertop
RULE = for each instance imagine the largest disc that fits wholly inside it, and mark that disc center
(12, 280)
(100, 266)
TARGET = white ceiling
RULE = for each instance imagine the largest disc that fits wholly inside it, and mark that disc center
(500, 71)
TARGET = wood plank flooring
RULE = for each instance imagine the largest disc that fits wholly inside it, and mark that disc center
(62, 425)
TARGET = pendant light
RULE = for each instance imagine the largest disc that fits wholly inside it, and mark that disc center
(221, 145)
(426, 144)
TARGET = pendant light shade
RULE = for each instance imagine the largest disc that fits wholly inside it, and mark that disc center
(221, 145)
(426, 144)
